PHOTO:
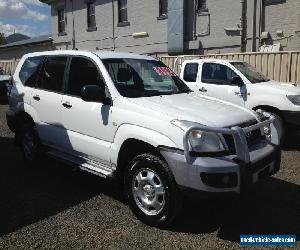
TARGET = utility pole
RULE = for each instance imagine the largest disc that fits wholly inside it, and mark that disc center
(243, 25)
(73, 23)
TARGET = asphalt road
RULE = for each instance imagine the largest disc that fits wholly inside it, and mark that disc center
(57, 206)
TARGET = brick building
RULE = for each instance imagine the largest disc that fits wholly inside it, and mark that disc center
(175, 26)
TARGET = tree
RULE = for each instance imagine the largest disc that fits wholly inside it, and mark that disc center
(2, 39)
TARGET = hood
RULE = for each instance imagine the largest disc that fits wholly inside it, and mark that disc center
(196, 108)
(283, 87)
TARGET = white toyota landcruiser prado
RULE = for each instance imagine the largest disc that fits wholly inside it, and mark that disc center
(129, 116)
(240, 83)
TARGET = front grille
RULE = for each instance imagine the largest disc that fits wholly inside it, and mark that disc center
(230, 142)
(252, 137)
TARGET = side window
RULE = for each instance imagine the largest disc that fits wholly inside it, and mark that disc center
(191, 72)
(83, 72)
(52, 76)
(30, 70)
(217, 74)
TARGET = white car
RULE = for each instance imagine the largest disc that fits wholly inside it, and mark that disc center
(129, 116)
(240, 83)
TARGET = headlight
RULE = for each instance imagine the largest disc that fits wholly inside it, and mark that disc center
(267, 132)
(205, 142)
(295, 99)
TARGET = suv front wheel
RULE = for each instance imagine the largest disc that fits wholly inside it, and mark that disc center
(152, 191)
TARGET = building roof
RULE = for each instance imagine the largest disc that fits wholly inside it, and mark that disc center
(46, 1)
(35, 40)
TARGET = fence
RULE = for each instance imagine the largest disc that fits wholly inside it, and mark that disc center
(279, 66)
(8, 67)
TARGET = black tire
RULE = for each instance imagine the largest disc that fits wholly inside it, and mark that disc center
(170, 201)
(30, 145)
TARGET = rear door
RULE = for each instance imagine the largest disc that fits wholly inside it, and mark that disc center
(47, 100)
(28, 76)
(216, 81)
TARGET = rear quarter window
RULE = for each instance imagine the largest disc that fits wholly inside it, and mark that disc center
(30, 70)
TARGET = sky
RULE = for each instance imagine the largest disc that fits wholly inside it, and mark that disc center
(28, 17)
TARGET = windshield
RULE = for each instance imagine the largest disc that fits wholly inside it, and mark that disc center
(252, 74)
(142, 78)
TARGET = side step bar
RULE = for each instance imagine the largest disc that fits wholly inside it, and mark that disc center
(92, 166)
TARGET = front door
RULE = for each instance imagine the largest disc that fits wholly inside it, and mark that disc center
(190, 75)
(216, 81)
(88, 124)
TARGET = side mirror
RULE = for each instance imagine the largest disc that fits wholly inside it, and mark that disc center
(236, 80)
(93, 93)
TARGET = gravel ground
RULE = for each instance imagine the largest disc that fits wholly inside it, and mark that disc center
(59, 207)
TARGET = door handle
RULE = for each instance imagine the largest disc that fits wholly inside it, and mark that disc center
(67, 105)
(36, 97)
(203, 89)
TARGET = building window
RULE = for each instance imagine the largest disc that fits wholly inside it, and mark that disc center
(122, 12)
(61, 21)
(201, 6)
(163, 9)
(91, 17)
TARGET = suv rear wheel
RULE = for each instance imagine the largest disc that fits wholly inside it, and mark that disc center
(30, 145)
(152, 191)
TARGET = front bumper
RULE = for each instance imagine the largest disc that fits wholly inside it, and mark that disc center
(228, 173)
(240, 176)
(291, 117)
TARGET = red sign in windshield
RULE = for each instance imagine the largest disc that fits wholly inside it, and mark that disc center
(164, 71)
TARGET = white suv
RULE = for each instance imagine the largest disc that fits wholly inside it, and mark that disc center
(130, 116)
(240, 83)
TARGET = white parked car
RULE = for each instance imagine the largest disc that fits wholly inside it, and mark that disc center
(240, 83)
(129, 116)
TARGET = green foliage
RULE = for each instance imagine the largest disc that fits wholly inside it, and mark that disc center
(2, 39)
